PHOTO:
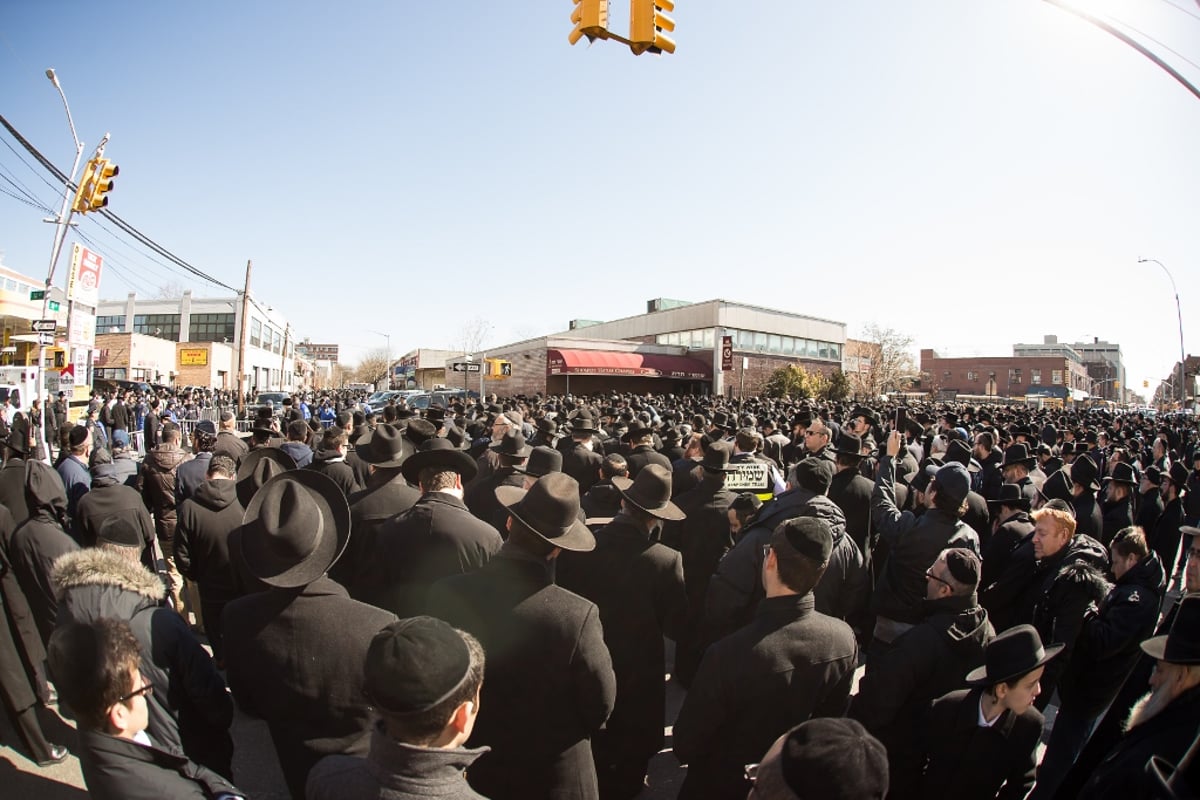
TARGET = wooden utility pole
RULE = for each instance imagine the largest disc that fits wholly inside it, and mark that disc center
(241, 371)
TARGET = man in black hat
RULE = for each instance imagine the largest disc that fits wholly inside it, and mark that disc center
(191, 473)
(926, 662)
(510, 454)
(434, 539)
(228, 442)
(1010, 512)
(75, 474)
(851, 491)
(989, 456)
(914, 542)
(638, 585)
(789, 664)
(12, 478)
(1016, 467)
(1165, 536)
(295, 651)
(823, 759)
(582, 460)
(1164, 721)
(640, 440)
(702, 539)
(549, 682)
(423, 677)
(329, 459)
(1117, 507)
(976, 514)
(1084, 485)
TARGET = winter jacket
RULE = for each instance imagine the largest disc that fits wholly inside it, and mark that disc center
(1116, 516)
(38, 542)
(301, 453)
(1000, 547)
(118, 769)
(189, 475)
(77, 481)
(932, 658)
(1108, 645)
(158, 489)
(189, 708)
(110, 498)
(844, 591)
(913, 545)
(202, 539)
(332, 465)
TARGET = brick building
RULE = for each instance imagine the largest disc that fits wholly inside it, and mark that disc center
(1049, 369)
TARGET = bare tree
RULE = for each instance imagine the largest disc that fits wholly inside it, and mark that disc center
(169, 291)
(890, 361)
(373, 367)
(473, 335)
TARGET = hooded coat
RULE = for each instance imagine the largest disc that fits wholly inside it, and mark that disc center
(110, 498)
(387, 494)
(21, 650)
(844, 591)
(932, 658)
(158, 489)
(38, 542)
(202, 539)
(189, 708)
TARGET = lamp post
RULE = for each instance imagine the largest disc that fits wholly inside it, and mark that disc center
(61, 222)
(1179, 314)
(387, 336)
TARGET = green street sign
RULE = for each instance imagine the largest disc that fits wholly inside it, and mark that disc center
(37, 294)
(53, 305)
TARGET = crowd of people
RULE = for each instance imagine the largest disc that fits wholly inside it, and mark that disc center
(488, 599)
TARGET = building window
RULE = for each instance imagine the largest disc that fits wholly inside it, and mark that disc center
(1056, 377)
(1035, 377)
(946, 375)
(255, 333)
(277, 342)
(164, 326)
(1014, 377)
(211, 328)
(110, 324)
(972, 376)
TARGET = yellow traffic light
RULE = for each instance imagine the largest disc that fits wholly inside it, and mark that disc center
(87, 183)
(648, 25)
(104, 173)
(591, 20)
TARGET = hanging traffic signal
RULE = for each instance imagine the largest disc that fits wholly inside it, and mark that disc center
(105, 172)
(648, 24)
(87, 183)
(591, 20)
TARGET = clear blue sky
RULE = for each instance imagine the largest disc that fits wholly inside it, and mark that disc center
(974, 173)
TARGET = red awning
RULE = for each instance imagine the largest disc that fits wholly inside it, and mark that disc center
(642, 365)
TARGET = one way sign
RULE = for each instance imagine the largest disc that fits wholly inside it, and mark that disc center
(466, 366)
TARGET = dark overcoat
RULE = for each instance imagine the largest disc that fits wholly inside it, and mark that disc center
(643, 456)
(638, 586)
(583, 465)
(295, 659)
(548, 682)
(789, 664)
(118, 769)
(1088, 518)
(21, 649)
(110, 498)
(434, 539)
(480, 497)
(1164, 539)
(852, 494)
(386, 495)
(968, 762)
(12, 489)
(206, 520)
(35, 546)
(1000, 546)
(1116, 516)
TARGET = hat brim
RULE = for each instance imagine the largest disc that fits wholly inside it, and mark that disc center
(454, 460)
(979, 676)
(668, 511)
(1155, 647)
(1021, 503)
(1025, 462)
(498, 448)
(335, 514)
(363, 448)
(246, 488)
(1110, 479)
(578, 538)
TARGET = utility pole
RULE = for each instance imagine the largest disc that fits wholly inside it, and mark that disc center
(241, 396)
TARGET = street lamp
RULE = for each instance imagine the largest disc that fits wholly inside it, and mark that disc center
(387, 336)
(1179, 314)
(62, 221)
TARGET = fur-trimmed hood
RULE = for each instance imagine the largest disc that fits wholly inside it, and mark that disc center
(98, 567)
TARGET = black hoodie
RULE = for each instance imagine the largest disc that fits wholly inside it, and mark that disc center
(202, 539)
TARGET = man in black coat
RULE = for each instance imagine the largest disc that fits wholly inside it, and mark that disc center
(1010, 510)
(111, 498)
(1165, 536)
(852, 492)
(929, 660)
(1107, 648)
(602, 500)
(1165, 721)
(330, 460)
(12, 479)
(789, 664)
(206, 520)
(976, 514)
(581, 460)
(548, 682)
(434, 539)
(703, 538)
(295, 652)
(640, 438)
(1088, 519)
(228, 441)
(638, 585)
(511, 453)
(1117, 508)
(193, 472)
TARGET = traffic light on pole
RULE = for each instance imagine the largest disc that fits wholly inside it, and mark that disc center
(103, 175)
(87, 183)
(648, 25)
(591, 20)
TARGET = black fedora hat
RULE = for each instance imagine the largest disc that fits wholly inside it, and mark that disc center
(848, 444)
(295, 528)
(418, 430)
(550, 510)
(1057, 487)
(1181, 645)
(258, 467)
(1018, 454)
(1016, 652)
(637, 429)
(542, 461)
(440, 453)
(716, 457)
(386, 446)
(721, 419)
(512, 444)
(1084, 471)
(1123, 473)
(1012, 496)
(17, 442)
(1178, 474)
(582, 422)
(862, 411)
(651, 492)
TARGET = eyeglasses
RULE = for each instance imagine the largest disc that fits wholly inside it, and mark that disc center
(816, 433)
(146, 689)
(766, 548)
(929, 574)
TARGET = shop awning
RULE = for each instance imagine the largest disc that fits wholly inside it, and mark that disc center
(640, 365)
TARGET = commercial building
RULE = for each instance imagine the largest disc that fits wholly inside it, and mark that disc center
(423, 368)
(318, 352)
(1050, 369)
(208, 332)
(675, 347)
(1106, 367)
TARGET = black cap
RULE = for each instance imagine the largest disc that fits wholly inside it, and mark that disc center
(119, 531)
(414, 664)
(809, 536)
(964, 566)
(828, 758)
(815, 474)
